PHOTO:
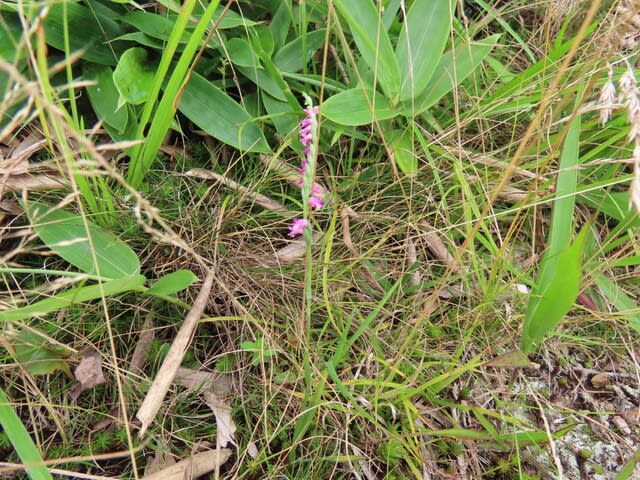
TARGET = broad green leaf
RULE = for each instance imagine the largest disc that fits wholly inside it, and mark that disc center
(404, 152)
(281, 115)
(36, 354)
(240, 52)
(280, 25)
(220, 116)
(67, 235)
(104, 96)
(266, 38)
(454, 66)
(77, 295)
(262, 79)
(357, 107)
(172, 283)
(88, 32)
(133, 77)
(373, 43)
(142, 39)
(551, 301)
(230, 19)
(421, 42)
(565, 198)
(19, 437)
(152, 24)
(295, 54)
(10, 33)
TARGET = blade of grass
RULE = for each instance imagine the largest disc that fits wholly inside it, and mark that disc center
(21, 441)
(66, 299)
(557, 284)
(143, 156)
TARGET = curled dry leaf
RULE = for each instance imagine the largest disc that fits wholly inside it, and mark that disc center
(294, 250)
(214, 387)
(226, 428)
(200, 380)
(88, 373)
(163, 459)
(32, 182)
(252, 450)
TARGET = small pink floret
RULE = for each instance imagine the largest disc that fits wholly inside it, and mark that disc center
(316, 203)
(297, 227)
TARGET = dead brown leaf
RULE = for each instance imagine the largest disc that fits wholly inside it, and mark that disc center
(88, 373)
(295, 249)
(226, 428)
(163, 459)
(200, 380)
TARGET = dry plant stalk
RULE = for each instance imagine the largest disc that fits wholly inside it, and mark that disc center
(169, 368)
(194, 466)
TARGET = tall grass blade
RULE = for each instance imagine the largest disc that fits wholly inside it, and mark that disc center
(556, 287)
(21, 441)
(143, 156)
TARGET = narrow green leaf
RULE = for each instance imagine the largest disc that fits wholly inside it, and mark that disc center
(557, 285)
(554, 294)
(623, 302)
(68, 236)
(154, 25)
(36, 354)
(220, 116)
(133, 77)
(104, 96)
(295, 54)
(19, 437)
(172, 283)
(421, 42)
(143, 156)
(373, 43)
(240, 52)
(454, 67)
(77, 295)
(404, 152)
(284, 118)
(357, 107)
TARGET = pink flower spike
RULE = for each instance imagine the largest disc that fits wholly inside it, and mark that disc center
(316, 203)
(316, 189)
(306, 139)
(297, 227)
(311, 112)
